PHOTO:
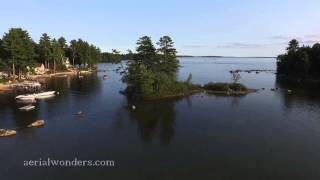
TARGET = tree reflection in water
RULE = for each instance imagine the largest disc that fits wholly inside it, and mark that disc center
(154, 118)
(301, 93)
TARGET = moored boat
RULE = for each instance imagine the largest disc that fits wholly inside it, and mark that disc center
(44, 94)
(25, 97)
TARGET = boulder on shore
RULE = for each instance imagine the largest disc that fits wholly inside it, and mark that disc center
(5, 132)
(37, 123)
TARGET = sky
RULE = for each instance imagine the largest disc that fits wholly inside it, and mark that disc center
(198, 27)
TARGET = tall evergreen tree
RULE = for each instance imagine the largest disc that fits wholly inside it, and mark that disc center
(146, 52)
(293, 46)
(57, 54)
(45, 49)
(168, 55)
(18, 49)
(63, 43)
(73, 51)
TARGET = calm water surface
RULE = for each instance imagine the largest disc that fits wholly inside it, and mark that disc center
(265, 135)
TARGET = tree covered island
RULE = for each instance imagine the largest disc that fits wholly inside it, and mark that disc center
(153, 71)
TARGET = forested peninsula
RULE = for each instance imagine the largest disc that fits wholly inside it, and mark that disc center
(299, 62)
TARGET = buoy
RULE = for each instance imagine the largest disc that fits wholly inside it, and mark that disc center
(133, 107)
(289, 91)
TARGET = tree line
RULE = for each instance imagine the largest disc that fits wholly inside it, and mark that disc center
(299, 61)
(115, 56)
(19, 53)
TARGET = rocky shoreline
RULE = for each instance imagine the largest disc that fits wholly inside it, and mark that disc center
(4, 87)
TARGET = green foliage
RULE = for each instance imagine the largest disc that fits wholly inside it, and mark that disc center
(57, 54)
(116, 57)
(83, 53)
(146, 53)
(224, 87)
(63, 43)
(45, 49)
(167, 53)
(2, 81)
(300, 61)
(17, 49)
(152, 73)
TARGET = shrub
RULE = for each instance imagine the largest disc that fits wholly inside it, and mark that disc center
(224, 87)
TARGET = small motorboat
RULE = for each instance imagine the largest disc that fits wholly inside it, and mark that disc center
(44, 94)
(5, 132)
(79, 113)
(25, 97)
(37, 123)
(27, 108)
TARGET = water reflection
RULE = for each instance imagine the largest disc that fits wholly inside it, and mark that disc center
(299, 94)
(155, 118)
(89, 84)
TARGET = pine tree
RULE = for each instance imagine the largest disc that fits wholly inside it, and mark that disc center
(146, 52)
(18, 49)
(45, 49)
(57, 54)
(167, 52)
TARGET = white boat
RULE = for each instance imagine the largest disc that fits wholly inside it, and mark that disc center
(44, 94)
(26, 97)
(27, 108)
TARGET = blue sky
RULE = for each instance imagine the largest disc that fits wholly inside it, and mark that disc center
(202, 27)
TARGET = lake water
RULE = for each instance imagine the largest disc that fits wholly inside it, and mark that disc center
(264, 135)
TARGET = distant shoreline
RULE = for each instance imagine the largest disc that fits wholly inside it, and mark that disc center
(179, 56)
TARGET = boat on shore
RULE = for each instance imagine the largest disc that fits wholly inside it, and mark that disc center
(27, 108)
